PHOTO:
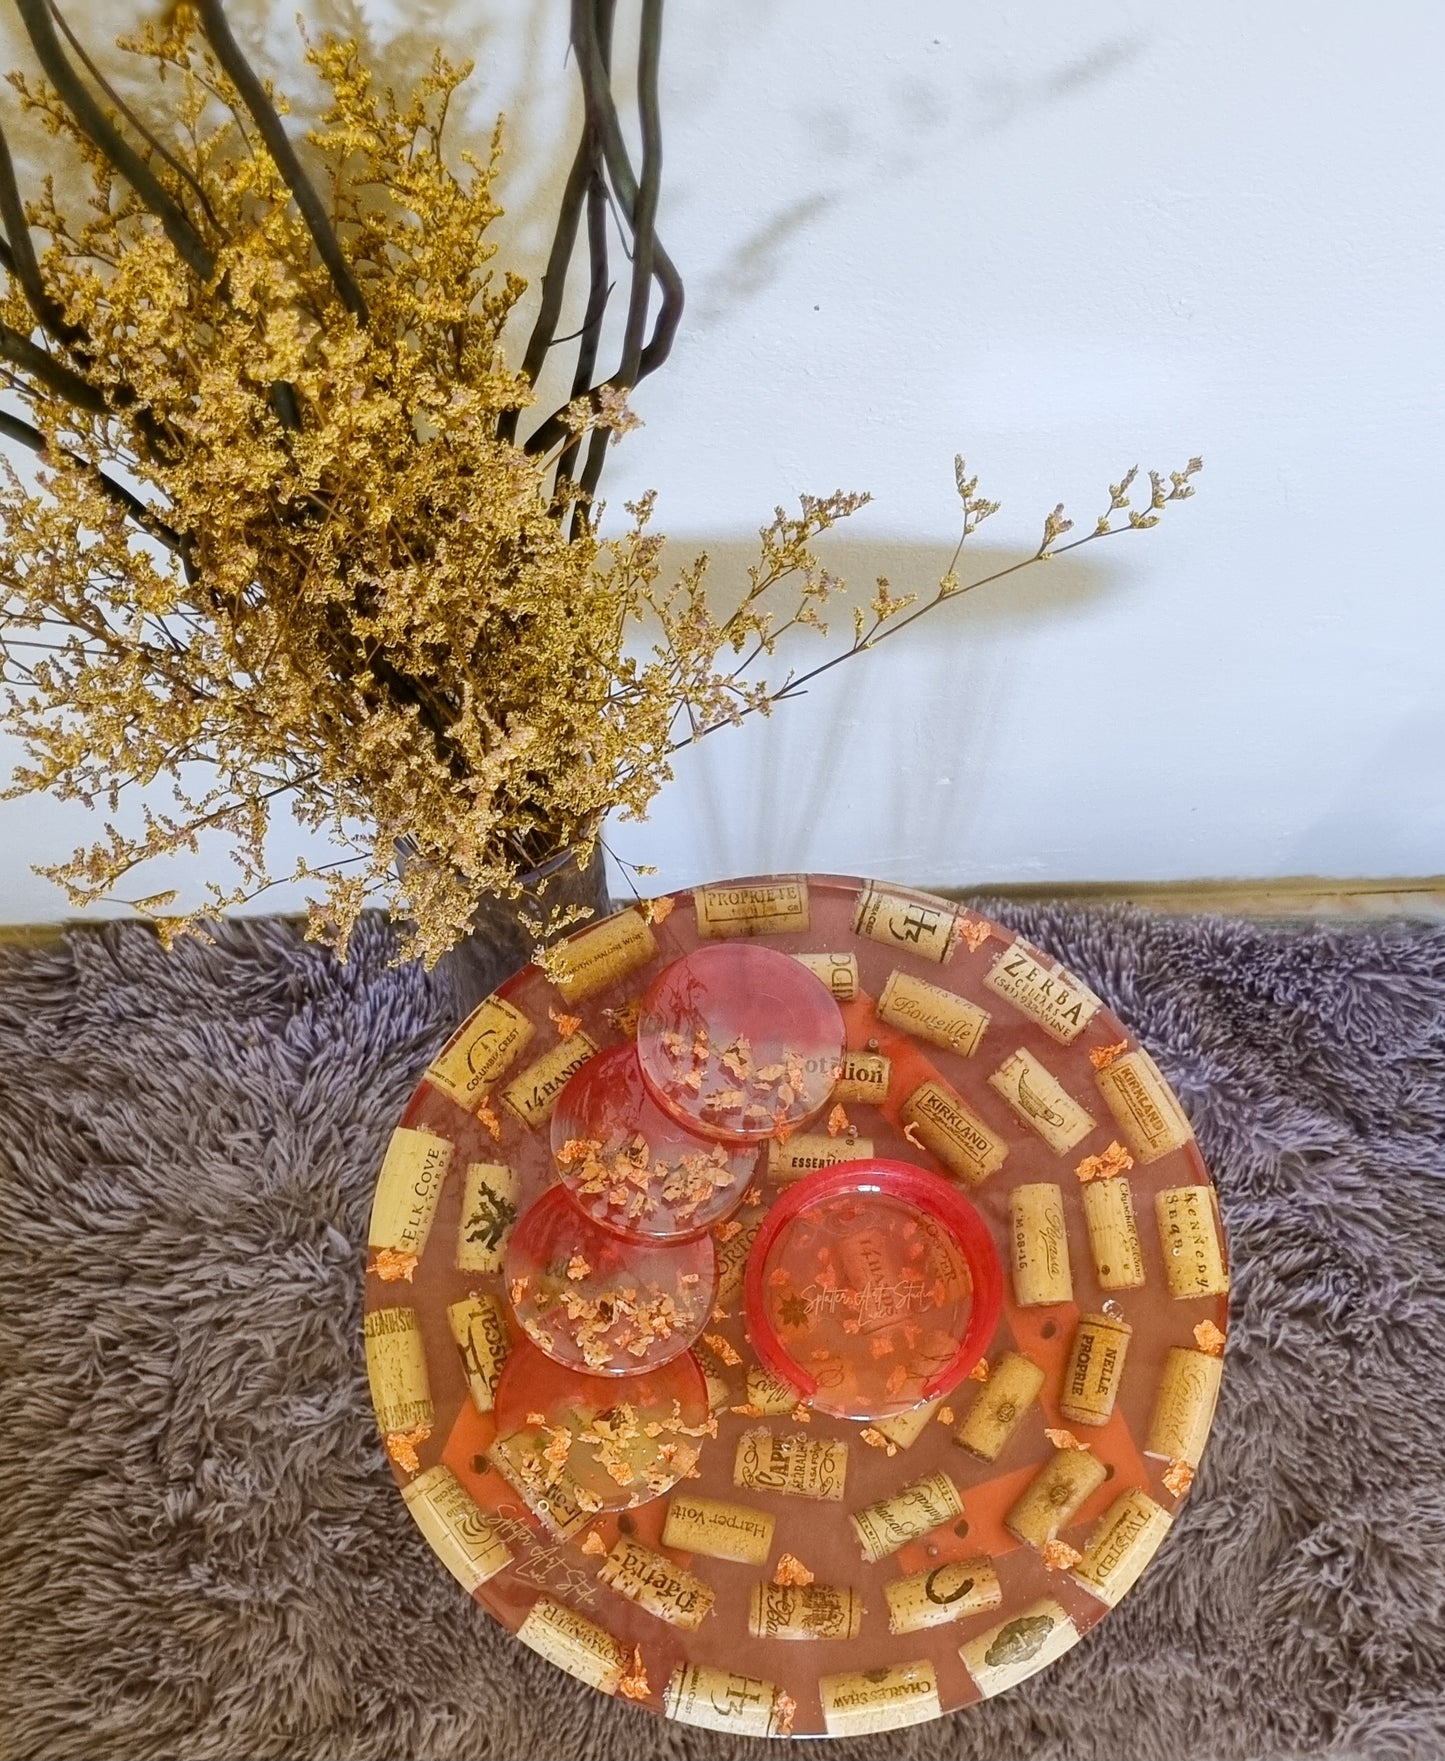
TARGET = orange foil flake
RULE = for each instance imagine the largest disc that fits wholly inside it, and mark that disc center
(721, 1348)
(635, 1685)
(785, 1710)
(980, 1371)
(566, 1025)
(657, 910)
(838, 1121)
(910, 1131)
(1059, 1555)
(401, 1446)
(1114, 1160)
(747, 1410)
(577, 1268)
(973, 932)
(1064, 1439)
(593, 1543)
(728, 1231)
(876, 1440)
(1209, 1339)
(1103, 1056)
(944, 1415)
(1178, 1477)
(801, 1415)
(791, 1570)
(488, 1116)
(392, 1263)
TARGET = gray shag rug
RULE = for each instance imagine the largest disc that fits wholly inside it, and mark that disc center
(203, 1555)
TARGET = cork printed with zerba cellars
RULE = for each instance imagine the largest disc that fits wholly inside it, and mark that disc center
(812, 1575)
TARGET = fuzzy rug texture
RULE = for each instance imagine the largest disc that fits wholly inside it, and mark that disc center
(203, 1555)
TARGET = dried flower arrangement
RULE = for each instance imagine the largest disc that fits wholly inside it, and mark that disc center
(282, 543)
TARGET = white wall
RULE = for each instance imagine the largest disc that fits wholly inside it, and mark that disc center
(1059, 239)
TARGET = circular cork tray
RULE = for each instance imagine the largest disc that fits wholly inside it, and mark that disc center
(811, 1575)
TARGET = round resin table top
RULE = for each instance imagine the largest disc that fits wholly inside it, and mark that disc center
(682, 1517)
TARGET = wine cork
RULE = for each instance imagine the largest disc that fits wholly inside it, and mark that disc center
(1039, 1245)
(891, 1523)
(717, 1530)
(491, 1040)
(459, 1531)
(1018, 1647)
(732, 1258)
(598, 957)
(795, 1464)
(1125, 1539)
(962, 1142)
(557, 1507)
(1049, 1501)
(929, 1012)
(716, 1699)
(865, 1079)
(574, 1643)
(1000, 1406)
(1041, 1101)
(719, 1395)
(653, 1582)
(1094, 1369)
(407, 1190)
(1184, 1406)
(866, 1701)
(479, 1326)
(396, 1369)
(926, 927)
(753, 908)
(807, 1151)
(942, 1595)
(1189, 1235)
(905, 1428)
(1144, 1106)
(532, 1095)
(770, 1394)
(1113, 1233)
(838, 971)
(1060, 1004)
(804, 1611)
(489, 1210)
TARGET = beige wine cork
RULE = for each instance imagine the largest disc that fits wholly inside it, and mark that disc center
(960, 1140)
(1039, 1245)
(574, 1643)
(489, 1210)
(532, 1095)
(865, 1079)
(1094, 1369)
(866, 1701)
(557, 1507)
(1189, 1236)
(732, 1257)
(1125, 1539)
(1060, 1004)
(1144, 1106)
(479, 1326)
(905, 1428)
(653, 1582)
(396, 1369)
(407, 1190)
(770, 1394)
(1184, 1406)
(1042, 1101)
(804, 1611)
(795, 1464)
(1049, 1501)
(893, 1522)
(926, 927)
(717, 1699)
(1113, 1233)
(1019, 1647)
(807, 1151)
(929, 1012)
(491, 1040)
(1000, 1406)
(838, 971)
(942, 1595)
(717, 1530)
(598, 957)
(719, 1395)
(460, 1533)
(778, 906)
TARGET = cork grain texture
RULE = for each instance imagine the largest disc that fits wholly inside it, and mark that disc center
(203, 1553)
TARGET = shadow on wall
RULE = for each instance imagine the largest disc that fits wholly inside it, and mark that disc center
(896, 736)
